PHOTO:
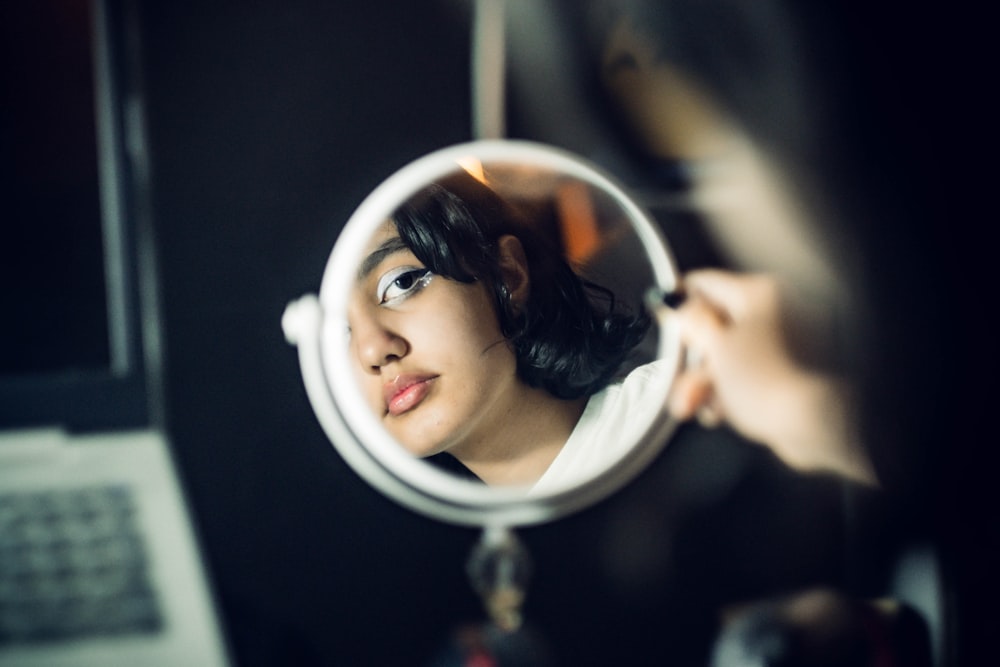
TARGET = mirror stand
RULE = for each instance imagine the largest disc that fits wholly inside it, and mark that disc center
(634, 261)
(499, 570)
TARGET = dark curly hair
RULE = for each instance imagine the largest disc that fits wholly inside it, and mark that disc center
(569, 338)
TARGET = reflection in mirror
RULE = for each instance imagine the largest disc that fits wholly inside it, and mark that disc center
(497, 327)
(491, 346)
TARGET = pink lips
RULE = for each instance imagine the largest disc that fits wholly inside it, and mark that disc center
(405, 392)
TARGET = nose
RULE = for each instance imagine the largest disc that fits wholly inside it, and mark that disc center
(374, 344)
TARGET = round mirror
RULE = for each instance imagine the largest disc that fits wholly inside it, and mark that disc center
(490, 344)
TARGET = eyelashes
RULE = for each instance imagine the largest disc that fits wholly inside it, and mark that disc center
(401, 283)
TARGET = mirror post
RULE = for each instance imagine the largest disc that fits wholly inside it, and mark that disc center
(499, 570)
(488, 69)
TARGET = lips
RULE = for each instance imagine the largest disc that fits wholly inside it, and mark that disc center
(406, 392)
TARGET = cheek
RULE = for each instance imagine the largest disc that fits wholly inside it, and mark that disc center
(479, 320)
(461, 318)
(370, 387)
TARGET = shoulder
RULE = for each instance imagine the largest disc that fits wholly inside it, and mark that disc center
(612, 422)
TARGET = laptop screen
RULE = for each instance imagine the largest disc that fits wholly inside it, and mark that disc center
(70, 347)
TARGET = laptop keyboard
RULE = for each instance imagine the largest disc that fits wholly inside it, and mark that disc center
(73, 566)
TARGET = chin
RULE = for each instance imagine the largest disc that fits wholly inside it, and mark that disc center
(419, 449)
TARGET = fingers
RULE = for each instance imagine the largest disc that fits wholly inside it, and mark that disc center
(700, 324)
(733, 295)
(691, 390)
(701, 327)
(709, 415)
(693, 397)
(717, 301)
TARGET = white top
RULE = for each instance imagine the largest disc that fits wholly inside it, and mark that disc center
(611, 424)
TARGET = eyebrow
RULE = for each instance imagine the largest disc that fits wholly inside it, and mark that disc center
(388, 247)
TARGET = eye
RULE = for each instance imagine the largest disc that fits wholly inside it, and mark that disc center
(401, 283)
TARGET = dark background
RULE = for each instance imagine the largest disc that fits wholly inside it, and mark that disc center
(268, 123)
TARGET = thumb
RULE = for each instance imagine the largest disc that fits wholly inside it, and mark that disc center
(690, 392)
(700, 323)
(730, 293)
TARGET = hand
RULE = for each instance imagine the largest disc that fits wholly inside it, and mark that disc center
(742, 372)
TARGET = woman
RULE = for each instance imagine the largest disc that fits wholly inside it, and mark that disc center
(474, 337)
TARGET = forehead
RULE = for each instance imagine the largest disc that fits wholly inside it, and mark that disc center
(385, 242)
(384, 231)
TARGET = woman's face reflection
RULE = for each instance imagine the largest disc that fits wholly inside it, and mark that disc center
(432, 361)
(472, 335)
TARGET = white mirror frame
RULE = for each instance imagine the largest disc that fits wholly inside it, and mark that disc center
(319, 328)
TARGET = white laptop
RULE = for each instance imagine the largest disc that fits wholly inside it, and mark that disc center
(99, 560)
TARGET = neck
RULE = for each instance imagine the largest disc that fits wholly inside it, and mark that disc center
(525, 440)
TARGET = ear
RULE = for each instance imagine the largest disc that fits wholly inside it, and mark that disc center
(514, 269)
